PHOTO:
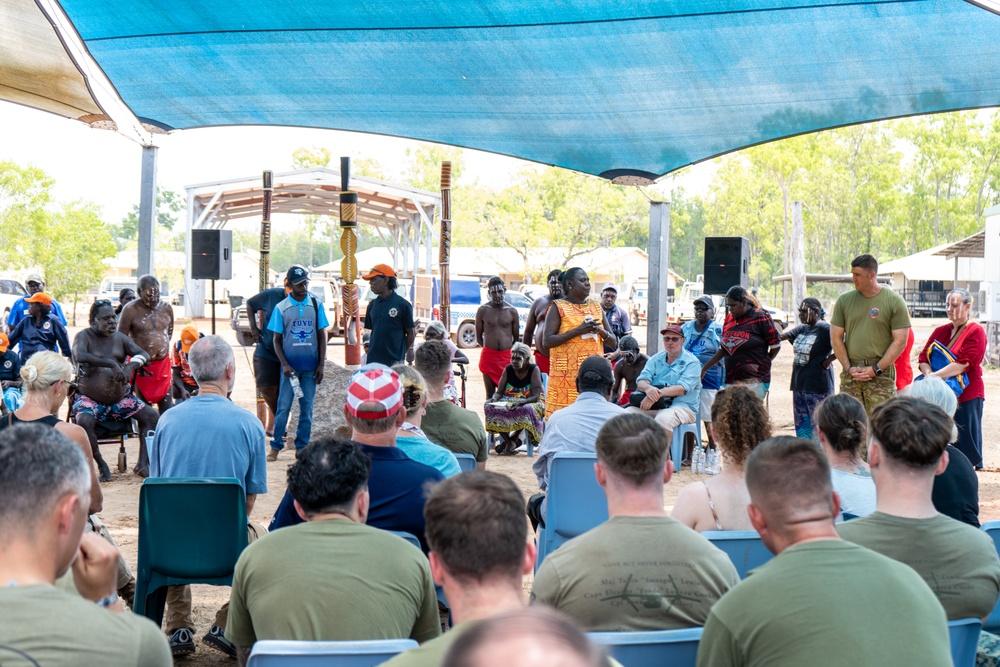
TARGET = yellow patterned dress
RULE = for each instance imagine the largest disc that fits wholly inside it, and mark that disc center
(565, 360)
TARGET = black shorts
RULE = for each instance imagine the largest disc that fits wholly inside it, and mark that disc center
(266, 372)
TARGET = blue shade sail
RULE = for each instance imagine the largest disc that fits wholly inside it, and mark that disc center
(618, 89)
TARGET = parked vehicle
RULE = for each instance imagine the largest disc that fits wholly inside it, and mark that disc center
(779, 316)
(533, 292)
(467, 295)
(10, 292)
(328, 298)
(638, 296)
(110, 287)
(681, 309)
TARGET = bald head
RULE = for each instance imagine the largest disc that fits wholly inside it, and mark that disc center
(789, 482)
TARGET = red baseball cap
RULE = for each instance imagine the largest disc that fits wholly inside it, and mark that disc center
(374, 385)
(673, 328)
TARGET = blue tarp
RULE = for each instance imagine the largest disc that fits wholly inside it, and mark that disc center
(611, 88)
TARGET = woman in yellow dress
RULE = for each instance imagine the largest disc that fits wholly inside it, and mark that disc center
(574, 330)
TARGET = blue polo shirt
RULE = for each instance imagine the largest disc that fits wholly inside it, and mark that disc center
(33, 338)
(704, 344)
(396, 489)
(685, 371)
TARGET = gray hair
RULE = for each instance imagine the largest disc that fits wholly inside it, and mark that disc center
(209, 357)
(38, 465)
(935, 390)
(435, 327)
(963, 293)
(518, 346)
(147, 281)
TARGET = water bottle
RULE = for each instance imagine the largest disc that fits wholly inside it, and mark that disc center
(701, 469)
(296, 387)
(713, 467)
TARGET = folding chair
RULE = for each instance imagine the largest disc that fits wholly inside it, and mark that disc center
(992, 622)
(575, 501)
(744, 548)
(466, 462)
(964, 636)
(277, 653)
(192, 530)
(677, 648)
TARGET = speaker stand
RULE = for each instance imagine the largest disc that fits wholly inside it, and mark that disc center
(213, 306)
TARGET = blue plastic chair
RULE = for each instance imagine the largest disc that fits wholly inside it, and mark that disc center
(992, 622)
(192, 530)
(677, 441)
(744, 548)
(676, 648)
(575, 501)
(466, 462)
(964, 636)
(284, 653)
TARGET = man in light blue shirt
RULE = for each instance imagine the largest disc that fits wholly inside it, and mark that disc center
(673, 375)
(208, 436)
(574, 428)
(298, 325)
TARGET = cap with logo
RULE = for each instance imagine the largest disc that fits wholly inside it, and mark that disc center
(377, 388)
(609, 286)
(296, 274)
(380, 270)
(674, 329)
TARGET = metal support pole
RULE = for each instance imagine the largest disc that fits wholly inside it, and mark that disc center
(659, 268)
(213, 306)
(147, 210)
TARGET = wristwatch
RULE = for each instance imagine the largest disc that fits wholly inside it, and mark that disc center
(878, 371)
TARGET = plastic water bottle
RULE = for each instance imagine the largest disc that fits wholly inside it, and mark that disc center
(296, 387)
(713, 468)
(700, 460)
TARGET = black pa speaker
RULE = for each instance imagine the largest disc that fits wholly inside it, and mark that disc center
(727, 263)
(211, 254)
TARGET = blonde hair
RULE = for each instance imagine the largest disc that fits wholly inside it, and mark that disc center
(413, 385)
(43, 369)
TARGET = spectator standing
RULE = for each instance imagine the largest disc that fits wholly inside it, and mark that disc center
(389, 317)
(617, 318)
(149, 322)
(868, 332)
(266, 365)
(812, 379)
(574, 329)
(703, 338)
(967, 342)
(534, 326)
(299, 328)
(34, 284)
(497, 328)
(749, 342)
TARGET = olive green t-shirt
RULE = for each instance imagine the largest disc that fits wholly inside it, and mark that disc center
(868, 322)
(429, 654)
(957, 561)
(455, 429)
(332, 580)
(43, 625)
(828, 603)
(635, 573)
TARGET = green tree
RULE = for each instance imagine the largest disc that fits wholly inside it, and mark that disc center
(25, 194)
(168, 205)
(71, 265)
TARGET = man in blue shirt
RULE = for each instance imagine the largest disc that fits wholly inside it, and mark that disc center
(675, 376)
(398, 485)
(34, 284)
(208, 436)
(389, 317)
(617, 318)
(299, 328)
(575, 427)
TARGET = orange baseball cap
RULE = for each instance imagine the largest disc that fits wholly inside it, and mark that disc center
(189, 336)
(4, 342)
(40, 297)
(380, 270)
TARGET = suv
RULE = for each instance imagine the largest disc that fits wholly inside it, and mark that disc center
(637, 302)
(10, 292)
(323, 292)
(463, 317)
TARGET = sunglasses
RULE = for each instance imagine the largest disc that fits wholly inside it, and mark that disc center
(672, 339)
(102, 302)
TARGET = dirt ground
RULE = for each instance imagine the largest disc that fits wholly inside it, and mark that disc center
(122, 493)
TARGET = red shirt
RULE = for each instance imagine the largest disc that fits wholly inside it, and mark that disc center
(970, 352)
(904, 369)
(747, 344)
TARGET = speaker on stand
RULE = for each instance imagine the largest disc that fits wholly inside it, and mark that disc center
(212, 258)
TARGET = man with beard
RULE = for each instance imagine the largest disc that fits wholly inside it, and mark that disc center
(149, 322)
(536, 319)
(105, 360)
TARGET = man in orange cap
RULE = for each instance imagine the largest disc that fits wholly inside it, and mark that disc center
(10, 375)
(390, 318)
(184, 383)
(41, 330)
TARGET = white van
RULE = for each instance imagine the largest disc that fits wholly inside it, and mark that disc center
(110, 287)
